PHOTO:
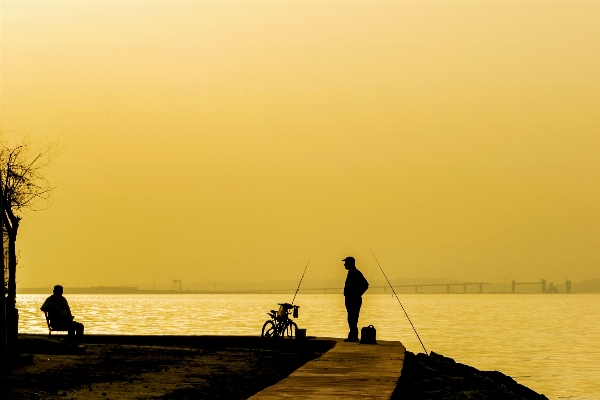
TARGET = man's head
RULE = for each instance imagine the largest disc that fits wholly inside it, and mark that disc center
(58, 290)
(349, 263)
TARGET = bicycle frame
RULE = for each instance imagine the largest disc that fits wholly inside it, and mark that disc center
(280, 324)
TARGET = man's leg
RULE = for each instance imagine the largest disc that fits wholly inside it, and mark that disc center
(71, 328)
(353, 305)
(79, 331)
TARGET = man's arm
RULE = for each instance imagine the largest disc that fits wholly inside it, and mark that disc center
(47, 305)
(364, 284)
(64, 309)
(68, 309)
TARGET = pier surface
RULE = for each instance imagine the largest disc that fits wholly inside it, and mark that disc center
(349, 370)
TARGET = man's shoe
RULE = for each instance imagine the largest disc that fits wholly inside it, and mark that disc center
(351, 339)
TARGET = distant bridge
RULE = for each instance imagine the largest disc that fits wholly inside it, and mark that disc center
(545, 288)
(464, 285)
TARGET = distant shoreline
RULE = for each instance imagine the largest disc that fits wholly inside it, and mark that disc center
(135, 290)
(401, 286)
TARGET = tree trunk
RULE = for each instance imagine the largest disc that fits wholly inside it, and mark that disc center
(12, 331)
(3, 348)
(12, 314)
(11, 301)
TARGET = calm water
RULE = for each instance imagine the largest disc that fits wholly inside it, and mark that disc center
(549, 343)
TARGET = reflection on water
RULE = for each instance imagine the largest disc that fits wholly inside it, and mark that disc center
(547, 342)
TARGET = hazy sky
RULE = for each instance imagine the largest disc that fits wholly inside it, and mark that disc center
(233, 141)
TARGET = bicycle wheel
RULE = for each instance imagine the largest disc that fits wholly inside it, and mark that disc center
(268, 329)
(290, 330)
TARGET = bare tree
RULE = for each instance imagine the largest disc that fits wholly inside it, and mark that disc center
(24, 184)
(3, 348)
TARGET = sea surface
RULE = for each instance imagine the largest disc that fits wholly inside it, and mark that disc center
(550, 343)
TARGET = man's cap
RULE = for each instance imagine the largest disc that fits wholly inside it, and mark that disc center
(348, 259)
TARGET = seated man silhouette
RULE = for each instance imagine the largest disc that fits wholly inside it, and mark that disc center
(60, 315)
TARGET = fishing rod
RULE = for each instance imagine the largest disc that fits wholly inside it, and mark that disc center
(299, 283)
(388, 281)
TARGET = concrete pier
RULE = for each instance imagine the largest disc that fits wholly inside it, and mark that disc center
(348, 371)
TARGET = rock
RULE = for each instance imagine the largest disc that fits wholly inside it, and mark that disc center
(438, 377)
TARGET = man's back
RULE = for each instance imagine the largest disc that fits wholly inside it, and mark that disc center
(356, 284)
(57, 307)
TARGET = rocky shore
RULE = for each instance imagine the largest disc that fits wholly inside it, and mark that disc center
(437, 377)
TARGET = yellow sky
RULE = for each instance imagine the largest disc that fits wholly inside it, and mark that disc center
(232, 141)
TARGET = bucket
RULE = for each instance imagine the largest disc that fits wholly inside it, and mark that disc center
(300, 333)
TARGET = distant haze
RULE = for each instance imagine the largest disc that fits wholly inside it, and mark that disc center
(232, 141)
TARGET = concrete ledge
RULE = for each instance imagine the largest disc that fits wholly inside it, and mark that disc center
(349, 370)
(213, 342)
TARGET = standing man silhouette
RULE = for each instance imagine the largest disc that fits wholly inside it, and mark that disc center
(356, 285)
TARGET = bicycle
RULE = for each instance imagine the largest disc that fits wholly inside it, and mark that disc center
(280, 324)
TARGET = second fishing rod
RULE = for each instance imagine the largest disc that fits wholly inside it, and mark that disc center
(393, 291)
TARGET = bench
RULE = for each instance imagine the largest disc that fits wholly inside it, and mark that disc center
(51, 328)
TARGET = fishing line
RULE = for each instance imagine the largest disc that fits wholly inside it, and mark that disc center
(388, 281)
(299, 283)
